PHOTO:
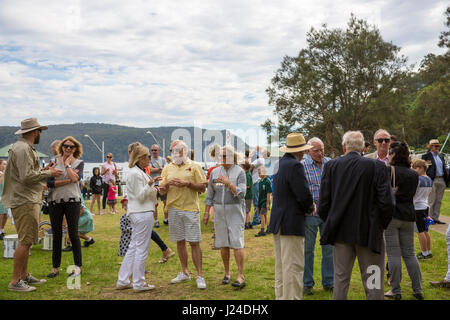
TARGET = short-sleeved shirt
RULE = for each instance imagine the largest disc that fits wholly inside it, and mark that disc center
(264, 187)
(184, 198)
(24, 178)
(159, 163)
(109, 175)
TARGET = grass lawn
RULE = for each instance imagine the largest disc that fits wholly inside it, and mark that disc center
(101, 266)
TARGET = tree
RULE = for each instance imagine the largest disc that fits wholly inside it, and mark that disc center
(343, 80)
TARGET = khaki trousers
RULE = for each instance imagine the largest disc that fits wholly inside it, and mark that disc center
(371, 266)
(289, 266)
(435, 197)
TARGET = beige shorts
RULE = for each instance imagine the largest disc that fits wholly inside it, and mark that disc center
(26, 221)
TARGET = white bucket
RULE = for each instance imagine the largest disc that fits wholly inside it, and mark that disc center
(47, 241)
(10, 243)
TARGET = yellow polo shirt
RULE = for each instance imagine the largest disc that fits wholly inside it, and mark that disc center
(184, 198)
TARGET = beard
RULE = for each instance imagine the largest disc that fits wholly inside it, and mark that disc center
(179, 160)
(37, 139)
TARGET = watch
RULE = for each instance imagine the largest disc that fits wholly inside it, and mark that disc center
(69, 166)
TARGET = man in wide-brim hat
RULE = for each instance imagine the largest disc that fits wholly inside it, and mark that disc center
(291, 201)
(24, 180)
(437, 171)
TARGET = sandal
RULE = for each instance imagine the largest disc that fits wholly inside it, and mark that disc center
(226, 280)
(165, 257)
(238, 284)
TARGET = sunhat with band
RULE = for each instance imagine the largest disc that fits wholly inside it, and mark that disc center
(295, 142)
(434, 142)
(28, 125)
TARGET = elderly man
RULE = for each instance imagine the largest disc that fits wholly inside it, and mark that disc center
(437, 171)
(356, 205)
(313, 163)
(291, 201)
(183, 180)
(157, 164)
(382, 141)
(24, 182)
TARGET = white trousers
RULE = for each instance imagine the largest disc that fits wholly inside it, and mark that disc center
(133, 265)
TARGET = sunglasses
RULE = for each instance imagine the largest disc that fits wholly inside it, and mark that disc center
(154, 150)
(385, 140)
(69, 146)
(108, 156)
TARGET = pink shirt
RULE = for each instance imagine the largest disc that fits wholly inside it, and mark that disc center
(109, 175)
(112, 193)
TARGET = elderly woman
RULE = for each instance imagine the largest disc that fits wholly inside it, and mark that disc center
(141, 204)
(65, 200)
(226, 192)
(399, 234)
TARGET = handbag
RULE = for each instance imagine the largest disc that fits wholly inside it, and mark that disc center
(394, 187)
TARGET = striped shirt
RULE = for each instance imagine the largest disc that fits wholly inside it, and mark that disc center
(314, 176)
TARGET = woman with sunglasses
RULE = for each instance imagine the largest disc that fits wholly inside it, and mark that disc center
(399, 234)
(65, 200)
(109, 172)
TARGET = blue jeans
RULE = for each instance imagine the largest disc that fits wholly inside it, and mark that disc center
(312, 223)
(256, 218)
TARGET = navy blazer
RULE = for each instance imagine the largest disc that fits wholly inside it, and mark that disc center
(431, 171)
(356, 202)
(291, 198)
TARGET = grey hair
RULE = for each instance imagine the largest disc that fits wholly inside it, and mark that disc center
(230, 152)
(380, 131)
(353, 140)
(180, 144)
(156, 145)
(315, 139)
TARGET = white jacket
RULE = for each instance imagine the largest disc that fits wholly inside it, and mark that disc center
(141, 197)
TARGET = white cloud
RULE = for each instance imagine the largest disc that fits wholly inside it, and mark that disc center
(155, 63)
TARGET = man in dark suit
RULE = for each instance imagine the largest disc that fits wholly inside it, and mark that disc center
(437, 171)
(291, 201)
(356, 205)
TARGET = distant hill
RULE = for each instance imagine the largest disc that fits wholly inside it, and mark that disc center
(116, 138)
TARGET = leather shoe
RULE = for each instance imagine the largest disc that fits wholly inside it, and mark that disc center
(418, 296)
(52, 274)
(67, 249)
(439, 222)
(308, 291)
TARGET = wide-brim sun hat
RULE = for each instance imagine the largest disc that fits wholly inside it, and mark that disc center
(28, 125)
(295, 142)
(434, 142)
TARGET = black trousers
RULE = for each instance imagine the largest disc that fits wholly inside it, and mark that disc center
(105, 195)
(72, 212)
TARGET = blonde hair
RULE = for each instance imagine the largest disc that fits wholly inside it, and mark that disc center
(262, 170)
(133, 145)
(79, 148)
(419, 163)
(138, 152)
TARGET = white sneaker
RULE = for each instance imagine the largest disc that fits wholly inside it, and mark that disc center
(180, 278)
(21, 286)
(201, 284)
(146, 287)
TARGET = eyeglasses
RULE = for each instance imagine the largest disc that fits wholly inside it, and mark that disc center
(380, 140)
(69, 146)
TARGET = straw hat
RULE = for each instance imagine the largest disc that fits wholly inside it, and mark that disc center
(295, 142)
(28, 125)
(434, 142)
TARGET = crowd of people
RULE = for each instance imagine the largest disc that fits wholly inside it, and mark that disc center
(363, 205)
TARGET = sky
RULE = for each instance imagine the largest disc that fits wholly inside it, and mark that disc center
(204, 63)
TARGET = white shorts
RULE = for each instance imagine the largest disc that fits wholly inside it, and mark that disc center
(184, 225)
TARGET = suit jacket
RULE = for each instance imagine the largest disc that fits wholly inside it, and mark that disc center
(291, 198)
(431, 171)
(356, 202)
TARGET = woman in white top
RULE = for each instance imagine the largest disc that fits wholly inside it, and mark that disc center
(141, 204)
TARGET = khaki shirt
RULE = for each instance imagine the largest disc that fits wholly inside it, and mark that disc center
(24, 178)
(184, 198)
